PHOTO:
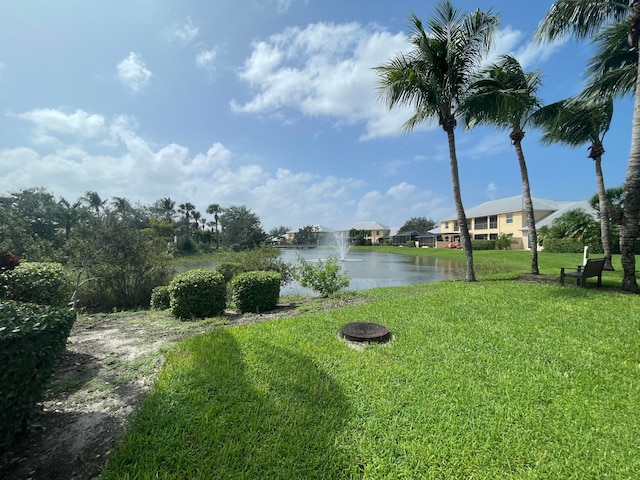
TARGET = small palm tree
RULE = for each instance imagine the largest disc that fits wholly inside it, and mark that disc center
(505, 96)
(433, 78)
(576, 122)
(93, 201)
(590, 18)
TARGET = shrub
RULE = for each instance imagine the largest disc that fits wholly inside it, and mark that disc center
(8, 261)
(324, 278)
(160, 298)
(256, 291)
(503, 242)
(197, 293)
(562, 245)
(32, 339)
(483, 244)
(38, 282)
(265, 258)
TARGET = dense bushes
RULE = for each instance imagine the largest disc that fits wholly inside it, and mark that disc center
(32, 339)
(197, 293)
(256, 291)
(37, 282)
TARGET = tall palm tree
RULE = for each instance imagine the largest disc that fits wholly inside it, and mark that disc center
(186, 209)
(433, 78)
(582, 19)
(168, 206)
(215, 210)
(576, 122)
(93, 201)
(505, 96)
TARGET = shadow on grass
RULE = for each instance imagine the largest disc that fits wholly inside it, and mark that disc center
(221, 410)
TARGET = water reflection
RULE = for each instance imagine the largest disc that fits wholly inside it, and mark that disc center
(370, 269)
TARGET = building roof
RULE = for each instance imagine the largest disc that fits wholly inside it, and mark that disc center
(563, 208)
(508, 205)
(368, 226)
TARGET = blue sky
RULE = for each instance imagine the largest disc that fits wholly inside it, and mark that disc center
(270, 104)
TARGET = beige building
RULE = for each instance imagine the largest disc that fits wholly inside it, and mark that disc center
(377, 232)
(505, 216)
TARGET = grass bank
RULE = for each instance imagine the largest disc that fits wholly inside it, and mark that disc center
(486, 380)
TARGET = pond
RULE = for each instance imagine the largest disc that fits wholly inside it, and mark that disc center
(370, 269)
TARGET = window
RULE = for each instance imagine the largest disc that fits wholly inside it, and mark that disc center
(493, 221)
(480, 223)
(481, 236)
(509, 217)
(446, 225)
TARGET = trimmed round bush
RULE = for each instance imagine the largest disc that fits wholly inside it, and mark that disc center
(44, 283)
(160, 298)
(256, 291)
(197, 293)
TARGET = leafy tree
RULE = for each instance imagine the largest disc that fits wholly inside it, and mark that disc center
(418, 224)
(576, 122)
(306, 235)
(326, 278)
(241, 228)
(590, 18)
(279, 232)
(118, 264)
(434, 76)
(505, 96)
(164, 209)
(358, 237)
(615, 204)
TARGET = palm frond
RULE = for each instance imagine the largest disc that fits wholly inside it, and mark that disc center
(580, 18)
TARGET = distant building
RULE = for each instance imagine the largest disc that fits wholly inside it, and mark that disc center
(506, 216)
(377, 232)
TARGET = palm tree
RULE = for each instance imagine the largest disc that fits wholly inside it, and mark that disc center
(215, 210)
(582, 19)
(186, 209)
(433, 78)
(575, 122)
(505, 96)
(93, 201)
(168, 206)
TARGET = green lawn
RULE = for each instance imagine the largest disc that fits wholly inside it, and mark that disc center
(486, 380)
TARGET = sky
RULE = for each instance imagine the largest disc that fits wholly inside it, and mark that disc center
(271, 104)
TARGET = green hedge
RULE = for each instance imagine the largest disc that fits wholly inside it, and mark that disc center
(229, 270)
(483, 244)
(197, 294)
(256, 291)
(160, 298)
(562, 245)
(32, 340)
(44, 283)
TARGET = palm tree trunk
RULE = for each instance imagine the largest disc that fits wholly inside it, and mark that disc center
(631, 213)
(457, 198)
(528, 204)
(604, 215)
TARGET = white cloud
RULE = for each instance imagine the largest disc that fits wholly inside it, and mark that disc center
(114, 160)
(183, 33)
(205, 60)
(491, 191)
(530, 54)
(326, 70)
(133, 73)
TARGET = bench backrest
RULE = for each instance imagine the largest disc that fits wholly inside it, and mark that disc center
(593, 267)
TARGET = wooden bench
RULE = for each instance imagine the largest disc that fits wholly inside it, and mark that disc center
(593, 268)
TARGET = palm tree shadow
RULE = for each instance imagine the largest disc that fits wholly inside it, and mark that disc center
(275, 416)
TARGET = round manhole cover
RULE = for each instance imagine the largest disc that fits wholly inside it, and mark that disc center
(364, 332)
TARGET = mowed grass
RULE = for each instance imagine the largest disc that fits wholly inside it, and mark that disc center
(487, 380)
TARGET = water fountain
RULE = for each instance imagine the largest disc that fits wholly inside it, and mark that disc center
(342, 244)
